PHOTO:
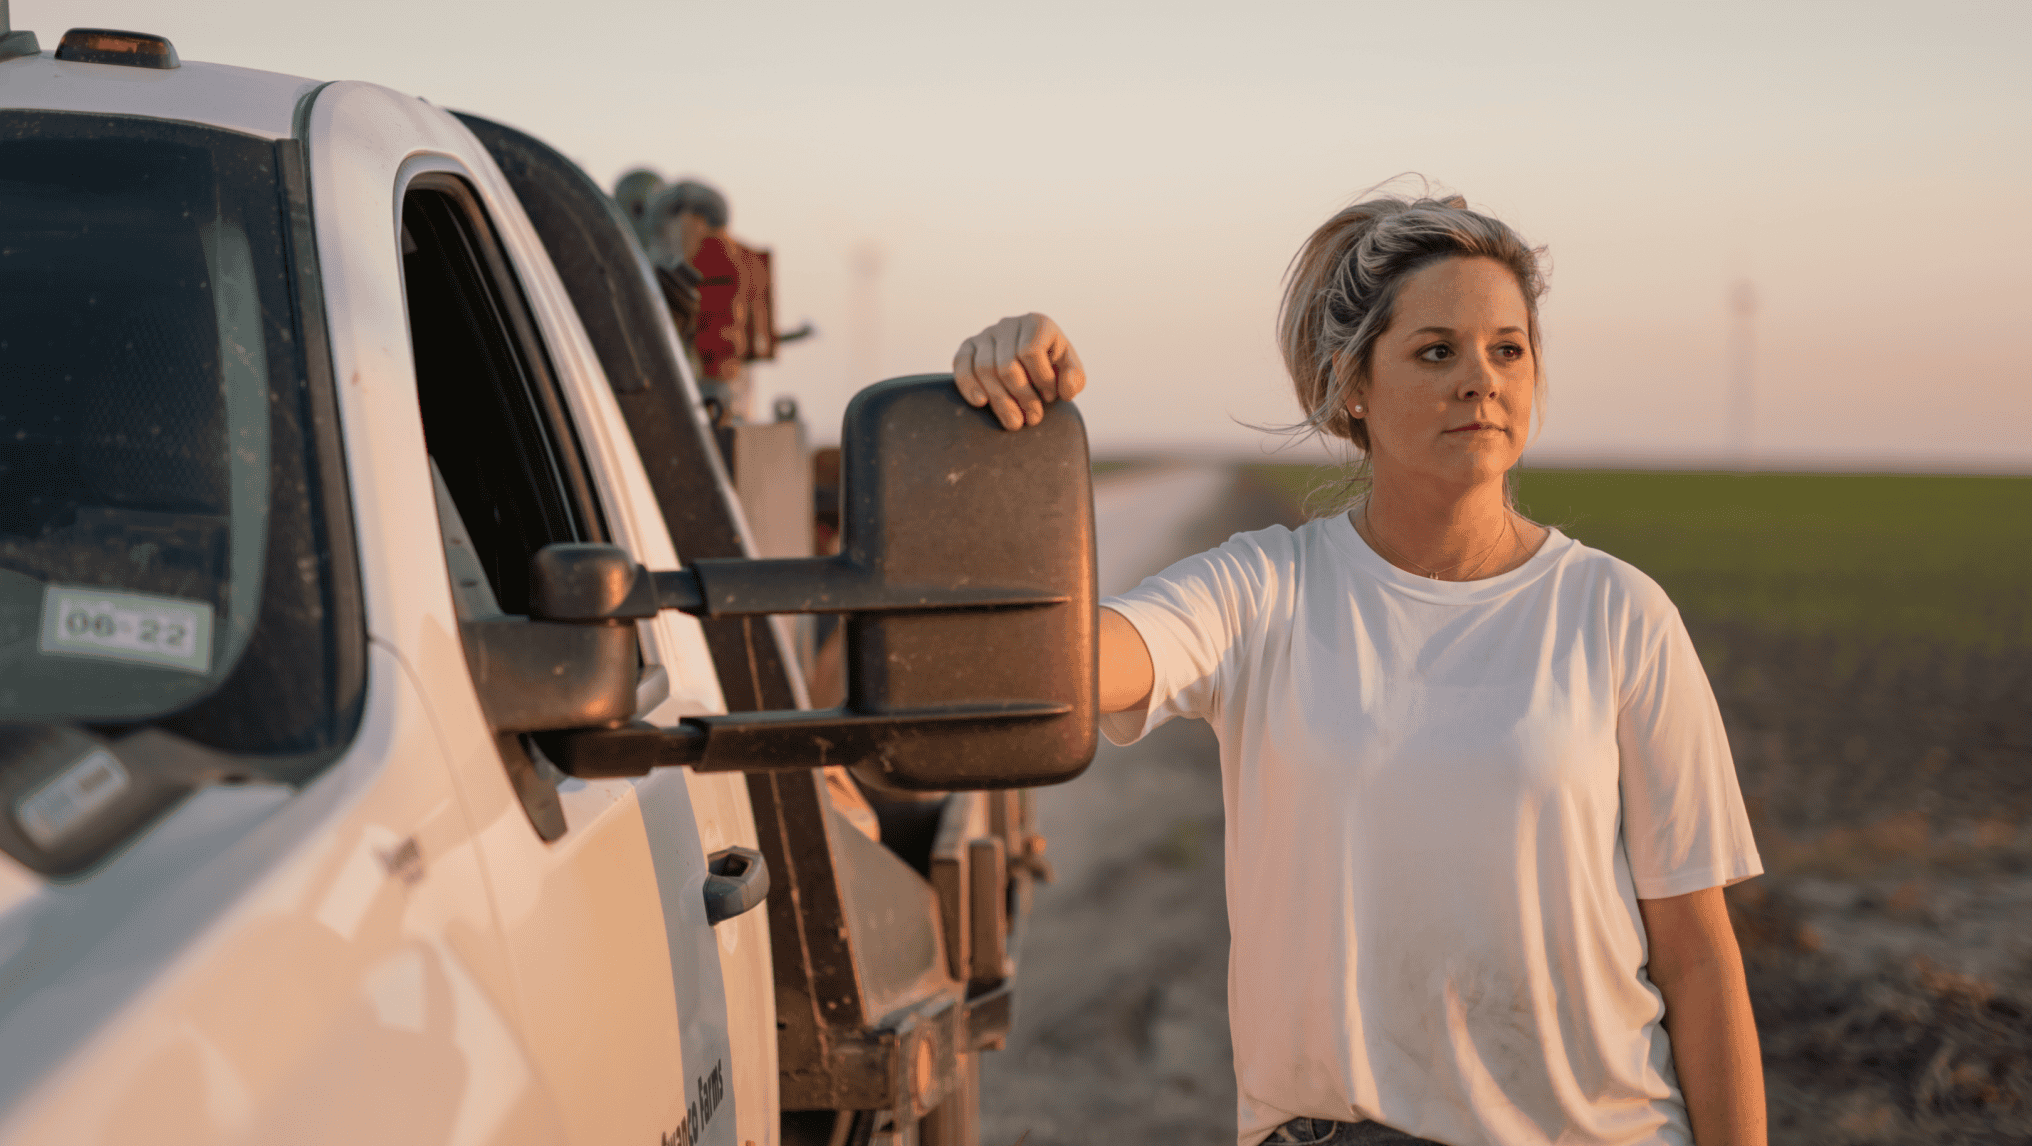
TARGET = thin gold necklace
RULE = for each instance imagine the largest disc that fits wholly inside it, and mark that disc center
(1509, 532)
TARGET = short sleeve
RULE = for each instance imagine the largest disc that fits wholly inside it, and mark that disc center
(1684, 825)
(1192, 617)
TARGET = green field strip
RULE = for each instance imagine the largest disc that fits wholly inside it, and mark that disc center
(1944, 559)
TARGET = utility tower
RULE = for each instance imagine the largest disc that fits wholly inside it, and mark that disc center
(865, 263)
(1742, 372)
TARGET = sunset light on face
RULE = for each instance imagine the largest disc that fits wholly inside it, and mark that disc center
(1143, 173)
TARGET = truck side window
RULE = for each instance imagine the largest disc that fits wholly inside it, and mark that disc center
(493, 420)
(506, 470)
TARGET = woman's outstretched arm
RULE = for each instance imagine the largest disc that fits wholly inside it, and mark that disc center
(1698, 969)
(1126, 670)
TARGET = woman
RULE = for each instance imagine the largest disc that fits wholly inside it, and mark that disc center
(1480, 805)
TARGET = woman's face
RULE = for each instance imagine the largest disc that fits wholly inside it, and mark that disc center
(1450, 381)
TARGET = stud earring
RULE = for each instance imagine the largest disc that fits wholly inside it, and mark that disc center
(1358, 407)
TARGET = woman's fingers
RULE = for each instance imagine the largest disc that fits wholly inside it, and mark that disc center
(1016, 367)
(1072, 376)
(975, 373)
(971, 385)
(1010, 372)
(1054, 366)
(963, 375)
(974, 377)
(1035, 336)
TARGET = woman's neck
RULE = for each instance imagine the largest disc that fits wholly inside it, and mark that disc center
(1448, 535)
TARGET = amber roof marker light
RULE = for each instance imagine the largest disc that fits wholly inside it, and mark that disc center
(14, 43)
(109, 46)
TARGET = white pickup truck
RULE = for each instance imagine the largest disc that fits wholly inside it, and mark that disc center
(395, 732)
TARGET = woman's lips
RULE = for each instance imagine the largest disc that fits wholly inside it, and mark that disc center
(1473, 426)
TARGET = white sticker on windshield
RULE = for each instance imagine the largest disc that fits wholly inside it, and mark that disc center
(84, 622)
(75, 795)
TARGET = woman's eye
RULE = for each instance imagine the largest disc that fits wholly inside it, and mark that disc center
(1436, 353)
(1510, 351)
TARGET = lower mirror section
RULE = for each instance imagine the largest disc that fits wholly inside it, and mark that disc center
(945, 749)
(534, 675)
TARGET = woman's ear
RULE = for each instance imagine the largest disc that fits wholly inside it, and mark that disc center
(1355, 404)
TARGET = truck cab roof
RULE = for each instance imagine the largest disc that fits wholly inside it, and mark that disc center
(219, 95)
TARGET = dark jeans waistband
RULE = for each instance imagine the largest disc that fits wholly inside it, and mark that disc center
(1326, 1132)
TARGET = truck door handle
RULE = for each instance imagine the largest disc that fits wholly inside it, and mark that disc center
(737, 879)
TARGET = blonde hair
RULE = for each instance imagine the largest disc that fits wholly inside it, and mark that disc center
(1342, 287)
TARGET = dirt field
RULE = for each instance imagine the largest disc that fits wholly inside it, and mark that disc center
(1870, 642)
(1890, 944)
(1877, 687)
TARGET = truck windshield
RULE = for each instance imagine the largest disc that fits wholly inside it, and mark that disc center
(163, 560)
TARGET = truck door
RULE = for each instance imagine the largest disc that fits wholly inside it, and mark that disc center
(597, 884)
(241, 903)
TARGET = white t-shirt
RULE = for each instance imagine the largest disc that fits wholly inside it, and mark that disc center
(1443, 803)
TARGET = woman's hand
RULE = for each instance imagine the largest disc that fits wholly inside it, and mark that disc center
(1016, 366)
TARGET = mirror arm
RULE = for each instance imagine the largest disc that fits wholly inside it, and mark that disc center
(586, 583)
(793, 740)
(679, 590)
(788, 741)
(744, 587)
(630, 750)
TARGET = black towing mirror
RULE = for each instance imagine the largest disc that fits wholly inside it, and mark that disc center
(534, 675)
(966, 578)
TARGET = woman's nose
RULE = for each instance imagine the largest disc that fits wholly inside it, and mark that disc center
(1477, 379)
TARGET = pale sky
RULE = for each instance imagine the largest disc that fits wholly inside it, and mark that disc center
(1143, 173)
